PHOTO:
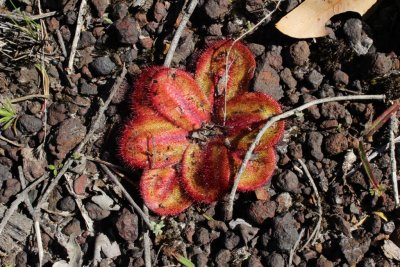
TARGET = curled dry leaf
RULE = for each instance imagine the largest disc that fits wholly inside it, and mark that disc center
(309, 18)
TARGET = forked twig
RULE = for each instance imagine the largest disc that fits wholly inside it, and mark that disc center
(19, 198)
(174, 43)
(317, 228)
(35, 217)
(127, 196)
(269, 123)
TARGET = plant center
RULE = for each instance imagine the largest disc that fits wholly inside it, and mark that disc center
(205, 133)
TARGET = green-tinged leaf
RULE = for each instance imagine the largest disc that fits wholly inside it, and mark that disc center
(367, 166)
(7, 124)
(185, 261)
(51, 167)
(381, 120)
(208, 218)
(157, 227)
(5, 119)
(5, 113)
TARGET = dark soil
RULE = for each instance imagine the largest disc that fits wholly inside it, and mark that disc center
(360, 57)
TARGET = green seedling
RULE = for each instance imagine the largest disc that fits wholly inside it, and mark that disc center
(55, 168)
(376, 189)
(8, 115)
(183, 260)
(31, 27)
(157, 227)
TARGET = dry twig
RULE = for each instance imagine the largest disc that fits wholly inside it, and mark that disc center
(227, 65)
(314, 235)
(146, 242)
(79, 24)
(19, 198)
(269, 123)
(293, 250)
(94, 127)
(394, 129)
(127, 196)
(188, 12)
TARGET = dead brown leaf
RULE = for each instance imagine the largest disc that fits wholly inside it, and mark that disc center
(309, 18)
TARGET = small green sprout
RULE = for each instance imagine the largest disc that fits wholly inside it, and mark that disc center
(157, 227)
(183, 260)
(55, 168)
(8, 115)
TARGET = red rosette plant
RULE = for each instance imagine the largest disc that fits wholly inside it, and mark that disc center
(190, 134)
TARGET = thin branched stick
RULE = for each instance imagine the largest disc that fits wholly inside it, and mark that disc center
(94, 127)
(269, 123)
(175, 40)
(227, 65)
(315, 233)
(127, 196)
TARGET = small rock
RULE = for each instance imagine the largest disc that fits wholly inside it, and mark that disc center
(340, 77)
(336, 144)
(127, 226)
(341, 225)
(276, 260)
(95, 212)
(71, 17)
(69, 134)
(299, 53)
(391, 250)
(267, 82)
(100, 6)
(231, 240)
(202, 236)
(11, 187)
(67, 204)
(284, 232)
(256, 49)
(57, 113)
(314, 110)
(295, 150)
(288, 181)
(314, 143)
(80, 184)
(5, 173)
(259, 211)
(359, 41)
(87, 89)
(254, 261)
(29, 124)
(287, 78)
(217, 225)
(102, 65)
(324, 262)
(52, 24)
(73, 227)
(374, 224)
(334, 110)
(274, 58)
(185, 47)
(200, 260)
(127, 30)
(215, 29)
(21, 259)
(354, 250)
(284, 202)
(223, 257)
(120, 10)
(389, 227)
(216, 9)
(381, 64)
(159, 11)
(315, 78)
(87, 39)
